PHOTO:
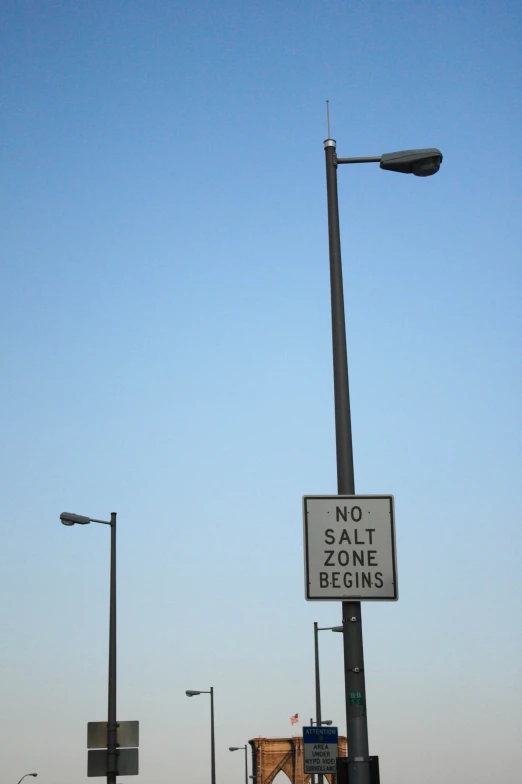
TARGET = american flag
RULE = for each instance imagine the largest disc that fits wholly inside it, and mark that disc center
(294, 719)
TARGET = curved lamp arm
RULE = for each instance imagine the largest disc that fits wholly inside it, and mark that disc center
(28, 774)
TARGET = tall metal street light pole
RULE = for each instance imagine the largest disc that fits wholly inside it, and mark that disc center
(318, 629)
(192, 693)
(28, 774)
(238, 748)
(68, 518)
(422, 163)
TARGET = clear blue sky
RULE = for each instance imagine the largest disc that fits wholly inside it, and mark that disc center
(166, 354)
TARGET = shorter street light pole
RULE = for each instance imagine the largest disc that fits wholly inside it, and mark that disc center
(68, 518)
(192, 693)
(326, 723)
(318, 721)
(238, 748)
(28, 774)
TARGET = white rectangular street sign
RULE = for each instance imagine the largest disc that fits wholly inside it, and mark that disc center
(320, 749)
(349, 544)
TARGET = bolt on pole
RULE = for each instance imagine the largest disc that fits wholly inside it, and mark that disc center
(356, 720)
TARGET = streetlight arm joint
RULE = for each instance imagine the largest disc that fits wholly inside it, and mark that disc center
(370, 159)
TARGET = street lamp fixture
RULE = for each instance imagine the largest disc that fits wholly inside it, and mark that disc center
(70, 518)
(194, 693)
(421, 163)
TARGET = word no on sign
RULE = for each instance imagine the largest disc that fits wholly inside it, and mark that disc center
(349, 543)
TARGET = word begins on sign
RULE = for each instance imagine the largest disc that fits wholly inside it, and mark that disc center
(350, 547)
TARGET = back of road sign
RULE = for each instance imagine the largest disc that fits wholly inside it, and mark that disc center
(127, 762)
(127, 734)
(349, 544)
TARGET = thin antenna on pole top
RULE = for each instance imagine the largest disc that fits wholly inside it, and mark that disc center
(328, 117)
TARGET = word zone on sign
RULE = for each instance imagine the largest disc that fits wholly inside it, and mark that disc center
(349, 547)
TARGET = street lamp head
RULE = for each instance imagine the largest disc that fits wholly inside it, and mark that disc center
(233, 748)
(422, 163)
(191, 693)
(328, 723)
(68, 518)
(337, 629)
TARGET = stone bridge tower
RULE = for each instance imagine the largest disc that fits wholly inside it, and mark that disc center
(270, 756)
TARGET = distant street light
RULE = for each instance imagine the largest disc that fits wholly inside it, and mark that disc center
(318, 721)
(192, 693)
(68, 518)
(28, 774)
(239, 748)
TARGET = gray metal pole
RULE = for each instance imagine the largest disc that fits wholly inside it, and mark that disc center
(356, 720)
(112, 761)
(246, 763)
(212, 742)
(317, 687)
(313, 778)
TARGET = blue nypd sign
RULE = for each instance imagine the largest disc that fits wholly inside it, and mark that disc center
(320, 746)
